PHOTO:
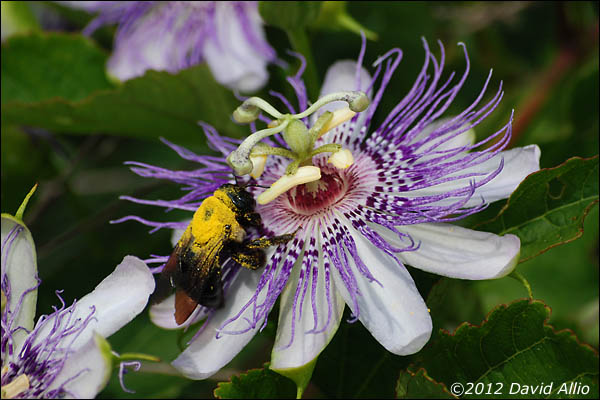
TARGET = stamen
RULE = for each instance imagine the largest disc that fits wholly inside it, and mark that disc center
(286, 182)
(341, 159)
(16, 387)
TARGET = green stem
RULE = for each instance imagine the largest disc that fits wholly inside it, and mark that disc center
(300, 43)
(516, 275)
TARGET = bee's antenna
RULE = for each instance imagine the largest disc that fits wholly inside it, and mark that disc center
(257, 185)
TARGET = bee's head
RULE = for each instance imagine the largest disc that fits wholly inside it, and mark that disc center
(242, 201)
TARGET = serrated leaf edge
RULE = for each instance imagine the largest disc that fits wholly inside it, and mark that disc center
(426, 376)
(247, 372)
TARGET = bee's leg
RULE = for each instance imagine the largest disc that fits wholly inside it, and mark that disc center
(265, 242)
(251, 258)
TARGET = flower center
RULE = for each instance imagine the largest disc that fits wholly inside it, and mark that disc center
(316, 196)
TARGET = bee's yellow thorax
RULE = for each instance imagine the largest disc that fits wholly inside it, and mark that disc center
(210, 220)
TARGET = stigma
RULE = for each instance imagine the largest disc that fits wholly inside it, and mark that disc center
(250, 158)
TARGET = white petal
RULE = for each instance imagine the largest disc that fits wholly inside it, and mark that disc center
(20, 266)
(118, 299)
(207, 354)
(306, 346)
(232, 58)
(518, 163)
(395, 314)
(94, 358)
(457, 252)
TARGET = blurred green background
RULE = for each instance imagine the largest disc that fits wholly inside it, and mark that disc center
(546, 53)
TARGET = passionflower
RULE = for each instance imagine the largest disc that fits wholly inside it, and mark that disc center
(365, 202)
(173, 35)
(63, 354)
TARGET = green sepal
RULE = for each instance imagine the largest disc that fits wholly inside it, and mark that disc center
(21, 210)
(107, 355)
(301, 375)
(335, 17)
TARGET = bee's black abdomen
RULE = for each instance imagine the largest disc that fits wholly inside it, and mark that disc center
(212, 294)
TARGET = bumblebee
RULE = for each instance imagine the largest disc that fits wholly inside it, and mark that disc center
(217, 232)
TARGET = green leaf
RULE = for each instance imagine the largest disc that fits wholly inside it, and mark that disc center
(549, 206)
(418, 385)
(289, 15)
(156, 104)
(257, 384)
(66, 66)
(514, 349)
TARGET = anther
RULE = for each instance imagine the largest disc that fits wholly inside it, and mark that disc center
(286, 182)
(341, 159)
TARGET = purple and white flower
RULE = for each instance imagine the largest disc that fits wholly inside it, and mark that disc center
(173, 35)
(63, 354)
(385, 202)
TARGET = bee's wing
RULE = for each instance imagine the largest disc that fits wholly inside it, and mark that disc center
(164, 285)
